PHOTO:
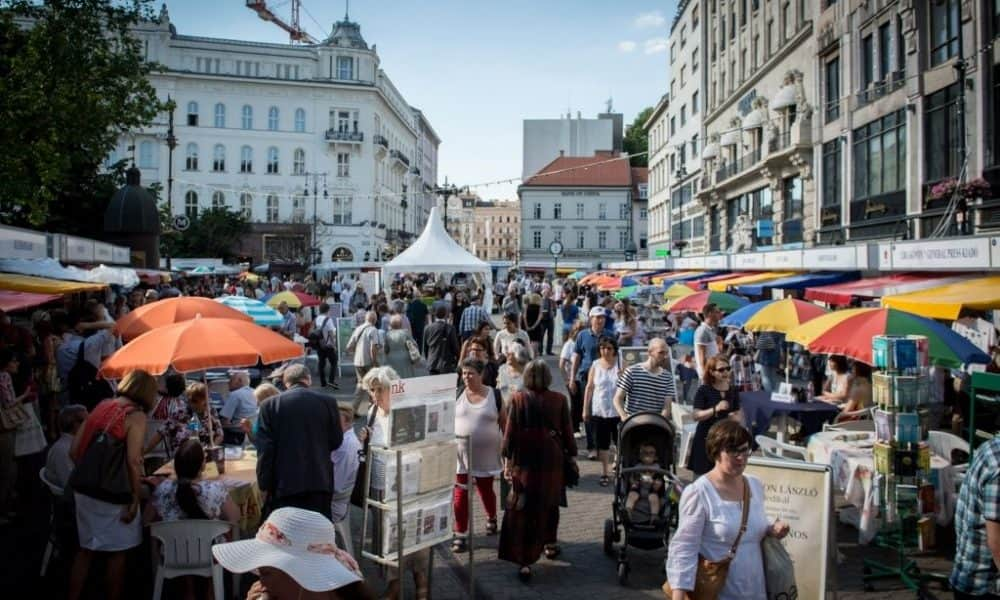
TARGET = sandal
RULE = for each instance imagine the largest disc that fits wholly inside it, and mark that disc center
(458, 545)
(491, 527)
(604, 481)
(524, 574)
(552, 551)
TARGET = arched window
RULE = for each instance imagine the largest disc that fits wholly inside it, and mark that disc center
(192, 114)
(247, 116)
(218, 200)
(146, 160)
(191, 157)
(246, 159)
(272, 118)
(299, 162)
(191, 204)
(219, 158)
(272, 209)
(272, 160)
(246, 205)
(220, 115)
(300, 120)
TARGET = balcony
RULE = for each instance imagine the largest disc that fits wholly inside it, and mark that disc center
(401, 160)
(381, 144)
(882, 88)
(725, 171)
(341, 136)
(780, 142)
(736, 167)
(415, 171)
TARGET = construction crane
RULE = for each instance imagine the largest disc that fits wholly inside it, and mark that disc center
(295, 32)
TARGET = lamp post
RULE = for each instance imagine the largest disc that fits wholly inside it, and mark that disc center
(631, 250)
(446, 192)
(315, 252)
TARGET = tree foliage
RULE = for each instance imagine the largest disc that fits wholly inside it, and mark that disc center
(212, 233)
(72, 81)
(635, 138)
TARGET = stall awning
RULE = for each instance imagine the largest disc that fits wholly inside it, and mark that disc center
(878, 287)
(724, 284)
(679, 276)
(13, 301)
(945, 302)
(702, 282)
(796, 282)
(42, 285)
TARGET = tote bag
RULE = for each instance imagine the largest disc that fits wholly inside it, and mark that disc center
(779, 571)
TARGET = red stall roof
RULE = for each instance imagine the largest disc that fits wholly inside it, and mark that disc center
(841, 294)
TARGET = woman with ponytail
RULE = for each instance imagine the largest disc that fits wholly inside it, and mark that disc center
(188, 496)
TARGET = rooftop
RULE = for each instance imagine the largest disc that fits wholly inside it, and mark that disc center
(601, 170)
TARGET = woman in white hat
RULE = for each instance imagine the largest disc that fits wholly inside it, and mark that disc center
(295, 555)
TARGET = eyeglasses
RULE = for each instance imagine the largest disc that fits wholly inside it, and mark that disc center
(476, 349)
(742, 450)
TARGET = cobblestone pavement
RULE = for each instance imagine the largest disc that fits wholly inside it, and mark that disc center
(583, 567)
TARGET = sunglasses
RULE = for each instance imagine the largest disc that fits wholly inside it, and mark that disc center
(723, 370)
(738, 451)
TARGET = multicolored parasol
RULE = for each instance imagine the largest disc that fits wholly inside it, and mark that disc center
(774, 315)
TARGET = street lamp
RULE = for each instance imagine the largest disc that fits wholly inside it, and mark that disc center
(446, 192)
(631, 250)
(679, 246)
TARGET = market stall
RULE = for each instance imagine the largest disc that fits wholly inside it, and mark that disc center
(947, 301)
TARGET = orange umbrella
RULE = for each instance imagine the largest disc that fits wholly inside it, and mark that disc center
(201, 344)
(173, 310)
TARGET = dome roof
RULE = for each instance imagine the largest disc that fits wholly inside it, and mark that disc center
(132, 208)
(346, 33)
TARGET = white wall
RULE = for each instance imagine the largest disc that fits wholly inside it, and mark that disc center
(544, 138)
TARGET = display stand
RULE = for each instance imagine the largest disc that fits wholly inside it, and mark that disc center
(901, 391)
(985, 389)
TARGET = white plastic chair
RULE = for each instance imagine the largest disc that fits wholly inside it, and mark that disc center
(943, 442)
(53, 544)
(864, 423)
(687, 441)
(780, 450)
(186, 549)
(343, 527)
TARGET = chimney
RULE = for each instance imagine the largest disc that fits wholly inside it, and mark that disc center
(562, 153)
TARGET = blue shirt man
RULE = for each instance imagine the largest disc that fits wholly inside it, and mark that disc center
(586, 352)
(977, 527)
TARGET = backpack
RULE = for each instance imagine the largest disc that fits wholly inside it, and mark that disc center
(83, 385)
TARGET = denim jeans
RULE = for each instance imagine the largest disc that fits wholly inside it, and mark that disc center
(768, 377)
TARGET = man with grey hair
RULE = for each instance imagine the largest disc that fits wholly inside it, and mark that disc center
(240, 404)
(365, 343)
(58, 464)
(296, 432)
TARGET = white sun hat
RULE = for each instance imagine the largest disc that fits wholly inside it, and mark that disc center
(297, 541)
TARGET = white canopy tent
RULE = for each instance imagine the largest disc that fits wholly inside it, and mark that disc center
(436, 252)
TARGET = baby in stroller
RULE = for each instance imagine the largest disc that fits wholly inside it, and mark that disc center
(646, 484)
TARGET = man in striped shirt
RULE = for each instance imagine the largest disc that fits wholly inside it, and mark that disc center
(648, 386)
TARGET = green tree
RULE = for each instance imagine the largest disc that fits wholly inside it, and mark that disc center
(72, 81)
(212, 233)
(635, 138)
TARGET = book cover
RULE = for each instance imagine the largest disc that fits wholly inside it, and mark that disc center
(905, 462)
(905, 353)
(907, 427)
(882, 390)
(883, 456)
(885, 425)
(882, 353)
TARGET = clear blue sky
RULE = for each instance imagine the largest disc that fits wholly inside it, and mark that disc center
(477, 68)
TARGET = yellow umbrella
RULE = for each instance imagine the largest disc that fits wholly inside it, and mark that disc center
(44, 285)
(947, 301)
(677, 290)
(293, 299)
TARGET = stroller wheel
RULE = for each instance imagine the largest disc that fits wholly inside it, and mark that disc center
(609, 536)
(622, 573)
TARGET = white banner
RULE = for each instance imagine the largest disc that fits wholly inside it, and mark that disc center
(801, 494)
(953, 253)
(21, 243)
(836, 257)
(121, 255)
(76, 249)
(746, 261)
(784, 259)
(689, 262)
(717, 261)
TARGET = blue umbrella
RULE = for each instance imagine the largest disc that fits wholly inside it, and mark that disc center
(261, 313)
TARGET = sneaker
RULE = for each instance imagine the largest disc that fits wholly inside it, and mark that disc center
(332, 384)
(578, 435)
(592, 454)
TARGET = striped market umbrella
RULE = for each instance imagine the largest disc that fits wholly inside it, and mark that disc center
(696, 302)
(677, 291)
(850, 332)
(774, 315)
(261, 313)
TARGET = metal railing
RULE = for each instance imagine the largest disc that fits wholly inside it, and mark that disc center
(780, 142)
(381, 141)
(344, 136)
(882, 88)
(726, 170)
(398, 155)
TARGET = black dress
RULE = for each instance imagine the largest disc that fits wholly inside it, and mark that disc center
(705, 398)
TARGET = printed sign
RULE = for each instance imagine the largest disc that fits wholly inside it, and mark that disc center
(716, 261)
(953, 253)
(631, 355)
(842, 257)
(747, 261)
(423, 408)
(20, 243)
(800, 494)
(345, 327)
(77, 249)
(786, 259)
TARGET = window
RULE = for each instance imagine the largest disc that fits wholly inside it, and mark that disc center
(623, 211)
(343, 164)
(833, 89)
(272, 161)
(220, 115)
(879, 157)
(557, 211)
(944, 27)
(218, 200)
(867, 61)
(299, 162)
(786, 21)
(673, 126)
(643, 214)
(272, 208)
(246, 205)
(247, 116)
(884, 41)
(345, 67)
(602, 239)
(830, 212)
(683, 114)
(622, 239)
(191, 204)
(218, 158)
(770, 38)
(943, 134)
(246, 159)
(579, 210)
(272, 118)
(791, 227)
(192, 114)
(191, 157)
(602, 211)
(300, 120)
(536, 239)
(694, 103)
(537, 210)
(579, 240)
(146, 160)
(694, 61)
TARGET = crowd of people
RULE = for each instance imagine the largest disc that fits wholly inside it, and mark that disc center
(521, 431)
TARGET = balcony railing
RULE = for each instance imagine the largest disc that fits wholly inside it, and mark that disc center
(381, 141)
(336, 135)
(415, 171)
(881, 88)
(832, 110)
(748, 160)
(398, 155)
(725, 171)
(780, 142)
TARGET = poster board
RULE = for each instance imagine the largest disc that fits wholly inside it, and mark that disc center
(345, 327)
(423, 409)
(630, 355)
(801, 494)
(370, 281)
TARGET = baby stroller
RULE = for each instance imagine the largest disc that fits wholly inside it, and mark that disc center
(643, 530)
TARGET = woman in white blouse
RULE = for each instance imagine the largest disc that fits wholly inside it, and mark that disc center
(711, 510)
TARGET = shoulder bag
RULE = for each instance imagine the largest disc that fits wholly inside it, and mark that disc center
(103, 473)
(571, 471)
(711, 576)
(413, 349)
(779, 571)
(361, 480)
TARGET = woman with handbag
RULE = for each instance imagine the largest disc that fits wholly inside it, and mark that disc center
(540, 451)
(107, 479)
(716, 551)
(397, 348)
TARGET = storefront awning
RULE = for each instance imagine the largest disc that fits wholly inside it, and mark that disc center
(678, 276)
(945, 302)
(43, 285)
(724, 284)
(796, 282)
(878, 287)
(13, 301)
(702, 282)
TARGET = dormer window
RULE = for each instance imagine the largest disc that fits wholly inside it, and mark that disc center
(345, 67)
